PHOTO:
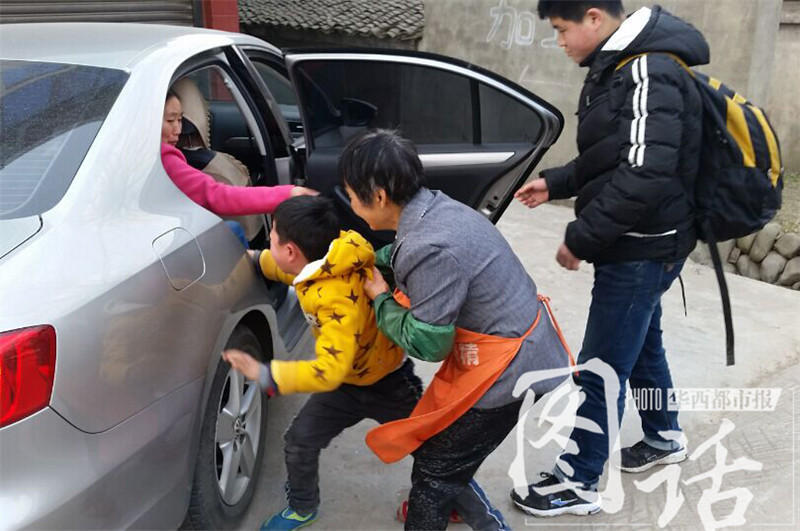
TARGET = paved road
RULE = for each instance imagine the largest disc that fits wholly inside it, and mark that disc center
(359, 492)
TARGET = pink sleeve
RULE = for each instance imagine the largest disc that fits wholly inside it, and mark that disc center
(221, 199)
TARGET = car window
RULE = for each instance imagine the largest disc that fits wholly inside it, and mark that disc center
(426, 104)
(49, 116)
(505, 119)
(216, 117)
(281, 89)
(278, 85)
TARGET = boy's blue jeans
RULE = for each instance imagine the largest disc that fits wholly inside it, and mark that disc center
(623, 330)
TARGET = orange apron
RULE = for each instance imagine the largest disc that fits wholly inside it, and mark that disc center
(475, 362)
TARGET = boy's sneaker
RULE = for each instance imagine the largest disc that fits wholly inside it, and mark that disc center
(402, 514)
(641, 456)
(567, 501)
(288, 519)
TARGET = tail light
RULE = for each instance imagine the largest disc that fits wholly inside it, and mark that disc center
(27, 369)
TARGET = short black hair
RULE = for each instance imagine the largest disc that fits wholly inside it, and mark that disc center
(575, 10)
(310, 222)
(381, 158)
(172, 94)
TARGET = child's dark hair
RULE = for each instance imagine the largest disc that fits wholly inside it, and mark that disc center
(575, 10)
(381, 158)
(310, 222)
(172, 94)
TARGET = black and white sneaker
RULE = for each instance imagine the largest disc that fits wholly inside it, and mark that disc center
(641, 456)
(567, 501)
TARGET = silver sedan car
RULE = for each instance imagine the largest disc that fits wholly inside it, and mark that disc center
(119, 292)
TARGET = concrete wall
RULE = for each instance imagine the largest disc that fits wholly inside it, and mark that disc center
(784, 98)
(506, 36)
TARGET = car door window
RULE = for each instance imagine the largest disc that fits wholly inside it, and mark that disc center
(425, 104)
(217, 117)
(479, 136)
(221, 136)
(282, 91)
(504, 119)
(428, 105)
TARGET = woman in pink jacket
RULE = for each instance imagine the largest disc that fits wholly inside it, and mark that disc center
(219, 198)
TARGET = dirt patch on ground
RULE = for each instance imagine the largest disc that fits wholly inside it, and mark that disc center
(789, 214)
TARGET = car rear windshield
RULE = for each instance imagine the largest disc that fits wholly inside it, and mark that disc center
(49, 116)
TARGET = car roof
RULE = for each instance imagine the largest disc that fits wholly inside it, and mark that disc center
(104, 44)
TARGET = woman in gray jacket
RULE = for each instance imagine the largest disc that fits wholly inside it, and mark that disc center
(463, 298)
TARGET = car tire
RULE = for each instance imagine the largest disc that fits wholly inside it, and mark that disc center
(221, 495)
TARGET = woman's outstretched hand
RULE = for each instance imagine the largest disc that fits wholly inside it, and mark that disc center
(302, 190)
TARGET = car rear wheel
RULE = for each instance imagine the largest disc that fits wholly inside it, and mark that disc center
(231, 443)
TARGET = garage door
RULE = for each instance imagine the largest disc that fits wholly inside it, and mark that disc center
(181, 12)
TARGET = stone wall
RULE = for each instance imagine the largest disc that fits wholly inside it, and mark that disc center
(768, 255)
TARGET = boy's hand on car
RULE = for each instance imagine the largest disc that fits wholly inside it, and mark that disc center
(376, 285)
(302, 190)
(533, 193)
(566, 259)
(242, 362)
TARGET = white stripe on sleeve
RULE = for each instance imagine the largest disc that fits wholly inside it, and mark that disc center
(643, 110)
(639, 104)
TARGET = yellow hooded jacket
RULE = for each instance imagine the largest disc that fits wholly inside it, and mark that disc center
(349, 347)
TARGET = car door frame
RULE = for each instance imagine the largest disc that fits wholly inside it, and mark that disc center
(226, 59)
(289, 162)
(501, 190)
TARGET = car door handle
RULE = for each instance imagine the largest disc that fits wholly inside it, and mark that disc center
(441, 160)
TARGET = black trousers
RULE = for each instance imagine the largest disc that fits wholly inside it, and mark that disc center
(445, 464)
(326, 415)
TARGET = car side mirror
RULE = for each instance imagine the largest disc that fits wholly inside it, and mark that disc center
(357, 113)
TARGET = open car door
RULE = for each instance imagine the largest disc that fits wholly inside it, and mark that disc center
(478, 134)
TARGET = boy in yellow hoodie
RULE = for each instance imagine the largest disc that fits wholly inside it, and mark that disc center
(357, 373)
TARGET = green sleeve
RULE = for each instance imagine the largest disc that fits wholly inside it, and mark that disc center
(419, 339)
(383, 256)
(383, 259)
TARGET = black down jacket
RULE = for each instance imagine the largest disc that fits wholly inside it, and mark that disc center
(639, 140)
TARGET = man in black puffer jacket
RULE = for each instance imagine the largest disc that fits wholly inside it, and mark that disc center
(639, 141)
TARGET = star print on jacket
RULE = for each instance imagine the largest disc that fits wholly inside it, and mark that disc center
(346, 329)
(327, 267)
(333, 351)
(307, 285)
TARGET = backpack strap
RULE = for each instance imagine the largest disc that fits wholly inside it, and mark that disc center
(674, 57)
(723, 291)
(707, 233)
